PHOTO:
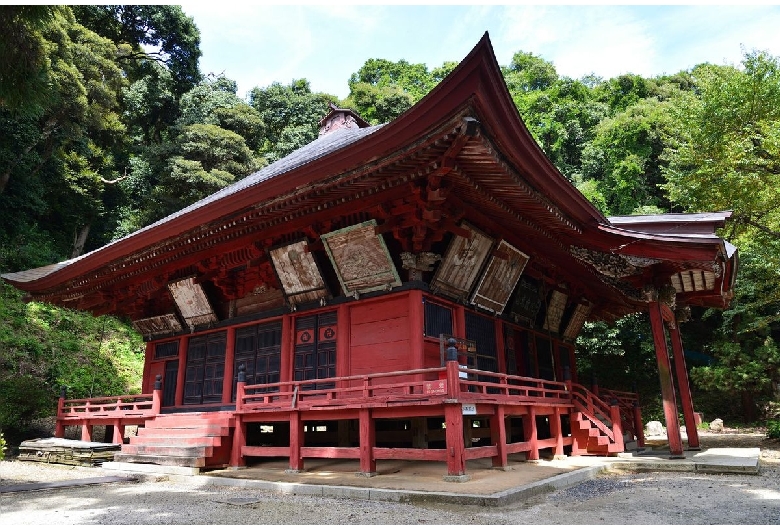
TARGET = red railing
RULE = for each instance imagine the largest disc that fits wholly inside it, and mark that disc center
(450, 382)
(628, 403)
(108, 407)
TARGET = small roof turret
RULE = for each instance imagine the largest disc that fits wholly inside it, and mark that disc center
(341, 119)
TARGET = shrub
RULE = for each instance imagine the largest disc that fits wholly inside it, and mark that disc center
(2, 446)
(773, 429)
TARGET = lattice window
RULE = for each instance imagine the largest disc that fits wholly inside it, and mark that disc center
(166, 350)
(438, 319)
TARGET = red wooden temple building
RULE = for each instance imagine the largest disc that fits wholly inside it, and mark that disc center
(405, 291)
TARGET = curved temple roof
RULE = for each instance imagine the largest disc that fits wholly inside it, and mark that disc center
(461, 153)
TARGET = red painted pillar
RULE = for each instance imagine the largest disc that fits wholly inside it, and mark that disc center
(119, 432)
(183, 345)
(146, 379)
(529, 430)
(456, 450)
(157, 395)
(639, 426)
(367, 443)
(296, 442)
(556, 429)
(230, 355)
(86, 432)
(500, 347)
(342, 343)
(417, 328)
(617, 427)
(239, 432)
(667, 385)
(498, 436)
(288, 352)
(685, 389)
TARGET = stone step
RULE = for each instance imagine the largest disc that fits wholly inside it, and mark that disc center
(162, 460)
(169, 450)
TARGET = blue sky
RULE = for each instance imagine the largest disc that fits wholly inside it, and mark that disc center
(258, 44)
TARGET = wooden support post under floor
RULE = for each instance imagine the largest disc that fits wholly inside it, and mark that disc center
(685, 388)
(367, 443)
(529, 431)
(498, 436)
(239, 441)
(86, 432)
(296, 442)
(556, 430)
(119, 432)
(667, 385)
(456, 450)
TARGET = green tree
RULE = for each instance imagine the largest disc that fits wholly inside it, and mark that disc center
(24, 66)
(723, 154)
(144, 33)
(624, 158)
(291, 114)
(54, 166)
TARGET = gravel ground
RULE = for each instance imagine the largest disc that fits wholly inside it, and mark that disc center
(614, 498)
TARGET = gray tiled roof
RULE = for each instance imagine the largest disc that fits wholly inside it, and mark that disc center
(309, 153)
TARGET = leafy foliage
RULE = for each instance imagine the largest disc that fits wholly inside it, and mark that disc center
(43, 348)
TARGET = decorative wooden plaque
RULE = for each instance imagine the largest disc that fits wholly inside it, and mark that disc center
(576, 321)
(528, 298)
(158, 325)
(298, 273)
(499, 280)
(552, 321)
(461, 264)
(193, 305)
(361, 259)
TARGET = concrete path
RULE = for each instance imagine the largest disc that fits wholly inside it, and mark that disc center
(423, 481)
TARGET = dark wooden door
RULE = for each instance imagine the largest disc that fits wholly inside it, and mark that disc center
(169, 383)
(315, 349)
(259, 349)
(205, 369)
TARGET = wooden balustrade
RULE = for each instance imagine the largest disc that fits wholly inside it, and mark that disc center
(435, 385)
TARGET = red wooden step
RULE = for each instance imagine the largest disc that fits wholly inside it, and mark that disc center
(201, 430)
(213, 441)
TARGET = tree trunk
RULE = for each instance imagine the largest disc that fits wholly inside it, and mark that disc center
(79, 241)
(4, 180)
(749, 410)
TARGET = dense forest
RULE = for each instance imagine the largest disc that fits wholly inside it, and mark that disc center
(108, 125)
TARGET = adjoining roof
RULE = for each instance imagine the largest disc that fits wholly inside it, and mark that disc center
(467, 130)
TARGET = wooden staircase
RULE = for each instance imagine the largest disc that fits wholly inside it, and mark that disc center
(198, 440)
(592, 440)
(593, 428)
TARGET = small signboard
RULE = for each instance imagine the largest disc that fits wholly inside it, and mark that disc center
(436, 387)
(469, 409)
